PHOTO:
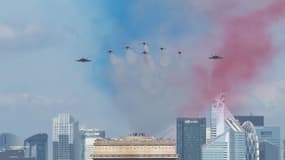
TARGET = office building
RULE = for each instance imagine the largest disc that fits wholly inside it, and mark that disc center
(135, 146)
(252, 143)
(257, 121)
(208, 135)
(65, 138)
(13, 155)
(231, 145)
(217, 117)
(268, 151)
(87, 139)
(270, 134)
(217, 149)
(191, 135)
(10, 141)
(37, 147)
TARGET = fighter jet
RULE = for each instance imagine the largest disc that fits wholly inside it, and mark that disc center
(215, 57)
(145, 48)
(84, 60)
(110, 51)
(162, 48)
(127, 47)
(144, 52)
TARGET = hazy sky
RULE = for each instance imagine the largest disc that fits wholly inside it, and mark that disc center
(40, 41)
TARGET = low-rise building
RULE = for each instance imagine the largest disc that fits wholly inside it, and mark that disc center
(135, 146)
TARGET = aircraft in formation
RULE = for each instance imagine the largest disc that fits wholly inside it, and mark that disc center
(215, 57)
(110, 51)
(83, 60)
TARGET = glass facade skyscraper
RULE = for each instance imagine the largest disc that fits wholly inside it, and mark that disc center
(37, 147)
(65, 138)
(268, 151)
(217, 117)
(217, 149)
(231, 145)
(270, 135)
(252, 143)
(191, 135)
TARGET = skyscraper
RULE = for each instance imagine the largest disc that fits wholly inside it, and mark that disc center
(270, 135)
(37, 147)
(268, 151)
(252, 143)
(257, 121)
(87, 139)
(228, 146)
(65, 138)
(217, 117)
(191, 135)
(217, 149)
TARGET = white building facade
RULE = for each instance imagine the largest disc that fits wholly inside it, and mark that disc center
(87, 140)
(228, 138)
(65, 134)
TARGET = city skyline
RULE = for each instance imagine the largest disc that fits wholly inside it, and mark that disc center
(67, 132)
(138, 66)
(41, 78)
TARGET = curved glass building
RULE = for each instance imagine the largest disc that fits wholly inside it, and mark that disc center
(252, 144)
(37, 146)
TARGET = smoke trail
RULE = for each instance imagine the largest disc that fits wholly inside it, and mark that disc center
(164, 59)
(151, 90)
(247, 48)
(131, 57)
(144, 88)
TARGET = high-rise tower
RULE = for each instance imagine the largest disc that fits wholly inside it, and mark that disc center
(37, 147)
(65, 138)
(252, 143)
(191, 135)
(217, 117)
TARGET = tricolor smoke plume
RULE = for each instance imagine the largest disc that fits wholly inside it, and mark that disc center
(153, 89)
(247, 47)
(146, 92)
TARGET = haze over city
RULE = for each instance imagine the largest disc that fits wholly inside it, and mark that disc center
(126, 91)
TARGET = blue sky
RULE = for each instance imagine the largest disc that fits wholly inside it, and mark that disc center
(39, 41)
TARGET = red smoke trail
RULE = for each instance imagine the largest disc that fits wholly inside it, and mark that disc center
(247, 48)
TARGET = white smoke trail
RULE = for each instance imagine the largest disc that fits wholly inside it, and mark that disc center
(131, 57)
(145, 47)
(149, 91)
(118, 69)
(149, 64)
(164, 59)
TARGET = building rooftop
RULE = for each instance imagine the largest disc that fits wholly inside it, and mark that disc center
(135, 140)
